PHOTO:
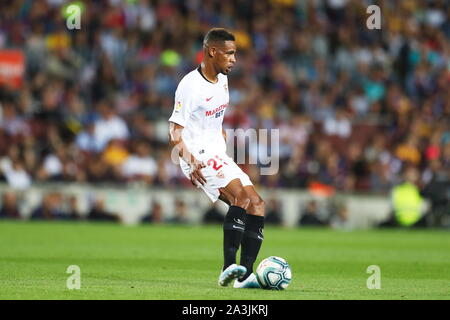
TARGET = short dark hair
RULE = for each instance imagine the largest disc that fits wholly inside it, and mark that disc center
(218, 34)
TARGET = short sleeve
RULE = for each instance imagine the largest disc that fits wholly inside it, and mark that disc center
(184, 105)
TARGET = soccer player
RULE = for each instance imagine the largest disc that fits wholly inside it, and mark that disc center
(196, 132)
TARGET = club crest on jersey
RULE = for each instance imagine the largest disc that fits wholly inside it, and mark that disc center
(178, 106)
(225, 86)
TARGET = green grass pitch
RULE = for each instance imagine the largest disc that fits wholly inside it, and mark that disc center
(182, 262)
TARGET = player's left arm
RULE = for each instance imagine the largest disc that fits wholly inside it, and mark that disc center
(224, 134)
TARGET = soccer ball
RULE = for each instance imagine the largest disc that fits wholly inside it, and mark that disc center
(274, 273)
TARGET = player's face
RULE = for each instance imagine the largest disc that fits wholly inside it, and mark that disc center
(225, 56)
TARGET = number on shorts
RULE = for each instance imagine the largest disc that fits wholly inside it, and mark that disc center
(214, 162)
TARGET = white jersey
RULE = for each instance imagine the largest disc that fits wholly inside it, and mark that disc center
(200, 107)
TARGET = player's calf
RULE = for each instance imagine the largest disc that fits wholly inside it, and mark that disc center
(233, 231)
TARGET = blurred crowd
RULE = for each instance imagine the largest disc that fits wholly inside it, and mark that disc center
(355, 107)
(57, 206)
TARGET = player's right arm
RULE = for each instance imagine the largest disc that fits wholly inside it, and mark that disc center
(185, 105)
(176, 141)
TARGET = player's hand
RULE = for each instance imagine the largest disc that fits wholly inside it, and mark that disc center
(196, 175)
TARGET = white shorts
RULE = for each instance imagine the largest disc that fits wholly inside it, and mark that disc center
(220, 170)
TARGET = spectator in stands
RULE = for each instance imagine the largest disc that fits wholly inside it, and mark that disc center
(113, 158)
(407, 203)
(310, 215)
(98, 212)
(338, 125)
(53, 167)
(9, 207)
(50, 208)
(180, 214)
(140, 165)
(13, 124)
(109, 126)
(85, 140)
(409, 151)
(155, 215)
(16, 176)
(437, 191)
(273, 215)
(72, 210)
(12, 169)
(213, 215)
(340, 217)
